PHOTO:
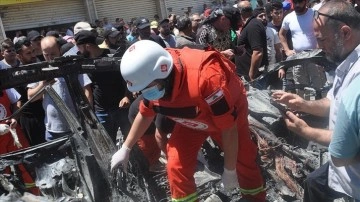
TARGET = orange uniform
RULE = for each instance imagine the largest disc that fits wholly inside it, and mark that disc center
(206, 97)
(7, 144)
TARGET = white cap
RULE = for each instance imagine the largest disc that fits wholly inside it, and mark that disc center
(80, 26)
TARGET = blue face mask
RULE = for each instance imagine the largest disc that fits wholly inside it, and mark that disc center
(153, 93)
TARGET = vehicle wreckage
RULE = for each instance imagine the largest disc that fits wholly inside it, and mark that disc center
(76, 167)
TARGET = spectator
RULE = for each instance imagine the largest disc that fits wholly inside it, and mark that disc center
(253, 37)
(299, 23)
(172, 24)
(32, 116)
(100, 27)
(35, 38)
(154, 26)
(142, 30)
(17, 35)
(165, 34)
(80, 26)
(9, 54)
(185, 32)
(107, 25)
(216, 31)
(195, 23)
(111, 98)
(335, 18)
(55, 123)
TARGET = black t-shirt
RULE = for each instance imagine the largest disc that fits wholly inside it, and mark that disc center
(108, 88)
(33, 109)
(252, 36)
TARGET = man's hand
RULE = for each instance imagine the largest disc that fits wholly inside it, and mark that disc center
(229, 53)
(290, 52)
(281, 73)
(13, 123)
(229, 180)
(125, 102)
(293, 101)
(121, 157)
(295, 124)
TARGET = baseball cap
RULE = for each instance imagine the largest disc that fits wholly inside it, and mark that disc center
(141, 22)
(33, 35)
(154, 24)
(80, 26)
(84, 37)
(286, 5)
(166, 20)
(53, 33)
(111, 33)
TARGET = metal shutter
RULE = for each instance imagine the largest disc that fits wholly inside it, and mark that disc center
(125, 9)
(42, 13)
(180, 7)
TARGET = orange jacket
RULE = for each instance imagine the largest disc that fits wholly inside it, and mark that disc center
(205, 91)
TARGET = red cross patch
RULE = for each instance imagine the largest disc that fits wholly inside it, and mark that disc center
(132, 48)
(163, 68)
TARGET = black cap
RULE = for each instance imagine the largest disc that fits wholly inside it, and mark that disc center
(164, 21)
(111, 33)
(33, 35)
(53, 33)
(142, 22)
(84, 37)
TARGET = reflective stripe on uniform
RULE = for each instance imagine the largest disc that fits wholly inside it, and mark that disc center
(29, 185)
(252, 191)
(189, 198)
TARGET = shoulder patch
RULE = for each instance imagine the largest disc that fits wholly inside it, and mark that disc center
(214, 97)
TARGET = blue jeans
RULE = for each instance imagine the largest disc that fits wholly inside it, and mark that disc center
(52, 136)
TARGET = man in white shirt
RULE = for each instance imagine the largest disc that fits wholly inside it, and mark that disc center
(338, 33)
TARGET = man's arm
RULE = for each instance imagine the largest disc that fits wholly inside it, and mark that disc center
(339, 162)
(230, 147)
(278, 53)
(89, 94)
(300, 127)
(315, 107)
(256, 59)
(283, 41)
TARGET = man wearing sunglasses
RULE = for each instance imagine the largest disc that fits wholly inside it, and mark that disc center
(299, 23)
(337, 30)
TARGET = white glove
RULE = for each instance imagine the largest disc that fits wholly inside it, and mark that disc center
(229, 180)
(121, 157)
(4, 128)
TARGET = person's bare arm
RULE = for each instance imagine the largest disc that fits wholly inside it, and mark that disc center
(256, 59)
(283, 41)
(278, 53)
(300, 127)
(315, 107)
(32, 91)
(89, 94)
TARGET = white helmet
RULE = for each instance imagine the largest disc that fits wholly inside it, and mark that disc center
(144, 62)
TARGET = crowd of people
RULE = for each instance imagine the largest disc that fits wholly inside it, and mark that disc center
(195, 88)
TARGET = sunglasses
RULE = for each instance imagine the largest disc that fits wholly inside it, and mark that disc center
(317, 14)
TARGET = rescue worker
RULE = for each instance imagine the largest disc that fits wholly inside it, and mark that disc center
(201, 92)
(9, 101)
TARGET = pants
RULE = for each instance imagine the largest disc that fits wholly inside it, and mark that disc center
(113, 119)
(7, 145)
(316, 186)
(182, 149)
(310, 75)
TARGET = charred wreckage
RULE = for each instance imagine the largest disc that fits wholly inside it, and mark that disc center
(76, 167)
